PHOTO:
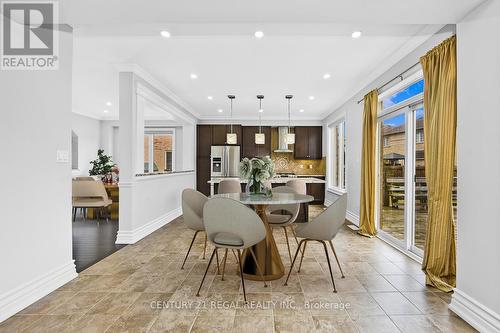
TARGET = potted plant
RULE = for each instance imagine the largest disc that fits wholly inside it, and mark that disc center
(101, 166)
(257, 170)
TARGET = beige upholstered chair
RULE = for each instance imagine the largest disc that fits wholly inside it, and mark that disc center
(84, 178)
(322, 229)
(231, 185)
(90, 194)
(298, 185)
(192, 211)
(231, 225)
(283, 220)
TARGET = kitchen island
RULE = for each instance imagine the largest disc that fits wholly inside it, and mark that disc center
(276, 180)
(315, 187)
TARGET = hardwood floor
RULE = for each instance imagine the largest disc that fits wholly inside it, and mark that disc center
(93, 241)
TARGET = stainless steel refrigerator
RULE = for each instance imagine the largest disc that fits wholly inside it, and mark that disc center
(225, 161)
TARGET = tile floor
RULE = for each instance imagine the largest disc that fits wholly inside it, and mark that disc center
(141, 288)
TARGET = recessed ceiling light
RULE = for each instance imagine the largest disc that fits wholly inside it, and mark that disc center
(259, 34)
(210, 97)
(356, 34)
(220, 110)
(326, 76)
(261, 110)
(311, 98)
(109, 104)
(105, 111)
(193, 76)
(301, 110)
(165, 34)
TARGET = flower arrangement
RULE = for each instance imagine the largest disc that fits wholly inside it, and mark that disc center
(257, 170)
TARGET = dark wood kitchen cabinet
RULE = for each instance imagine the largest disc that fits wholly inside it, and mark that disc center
(219, 133)
(204, 140)
(317, 191)
(248, 146)
(308, 143)
(203, 175)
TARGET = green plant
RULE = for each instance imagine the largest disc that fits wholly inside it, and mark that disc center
(102, 165)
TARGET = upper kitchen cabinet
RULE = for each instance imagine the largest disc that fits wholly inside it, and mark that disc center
(219, 133)
(308, 142)
(248, 146)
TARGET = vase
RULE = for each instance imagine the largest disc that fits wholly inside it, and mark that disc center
(254, 187)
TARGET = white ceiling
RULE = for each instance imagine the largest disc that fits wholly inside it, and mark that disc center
(290, 59)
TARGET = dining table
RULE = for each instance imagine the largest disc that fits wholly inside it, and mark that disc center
(266, 251)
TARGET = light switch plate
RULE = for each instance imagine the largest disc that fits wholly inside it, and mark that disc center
(62, 156)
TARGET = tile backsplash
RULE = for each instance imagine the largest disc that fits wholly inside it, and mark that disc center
(284, 162)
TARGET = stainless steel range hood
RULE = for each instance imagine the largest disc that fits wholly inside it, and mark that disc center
(282, 142)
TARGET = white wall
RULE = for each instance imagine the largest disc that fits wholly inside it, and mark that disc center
(477, 297)
(353, 113)
(88, 131)
(149, 202)
(35, 241)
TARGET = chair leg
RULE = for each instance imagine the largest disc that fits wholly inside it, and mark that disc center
(302, 257)
(74, 214)
(329, 265)
(205, 246)
(258, 267)
(224, 265)
(293, 262)
(217, 257)
(241, 275)
(206, 270)
(336, 258)
(288, 244)
(294, 234)
(189, 250)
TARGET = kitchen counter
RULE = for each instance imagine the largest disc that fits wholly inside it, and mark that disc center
(276, 180)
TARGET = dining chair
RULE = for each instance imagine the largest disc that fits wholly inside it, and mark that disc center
(231, 225)
(192, 212)
(231, 185)
(323, 229)
(298, 185)
(90, 194)
(283, 220)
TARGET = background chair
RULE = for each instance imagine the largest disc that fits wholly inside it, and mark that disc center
(323, 228)
(231, 225)
(192, 211)
(298, 185)
(90, 194)
(229, 186)
(283, 220)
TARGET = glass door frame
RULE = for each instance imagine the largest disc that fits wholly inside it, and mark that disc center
(406, 245)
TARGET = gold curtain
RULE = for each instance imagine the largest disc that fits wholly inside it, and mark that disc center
(440, 121)
(368, 153)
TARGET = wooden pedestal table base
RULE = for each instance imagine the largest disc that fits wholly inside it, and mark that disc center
(266, 253)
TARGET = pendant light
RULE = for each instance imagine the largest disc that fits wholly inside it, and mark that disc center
(231, 138)
(290, 137)
(260, 138)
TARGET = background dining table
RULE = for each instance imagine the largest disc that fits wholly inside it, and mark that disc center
(266, 251)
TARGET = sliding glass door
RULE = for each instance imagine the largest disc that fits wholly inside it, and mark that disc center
(402, 189)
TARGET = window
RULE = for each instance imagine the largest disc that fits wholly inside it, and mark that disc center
(337, 156)
(386, 141)
(412, 90)
(159, 150)
(420, 134)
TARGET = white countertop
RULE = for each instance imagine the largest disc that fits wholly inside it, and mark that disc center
(279, 180)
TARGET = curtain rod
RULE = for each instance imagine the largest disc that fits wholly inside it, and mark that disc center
(394, 78)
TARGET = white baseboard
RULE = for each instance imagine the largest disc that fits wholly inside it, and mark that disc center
(476, 314)
(353, 218)
(30, 292)
(133, 236)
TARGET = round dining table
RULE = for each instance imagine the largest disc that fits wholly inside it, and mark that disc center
(265, 251)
